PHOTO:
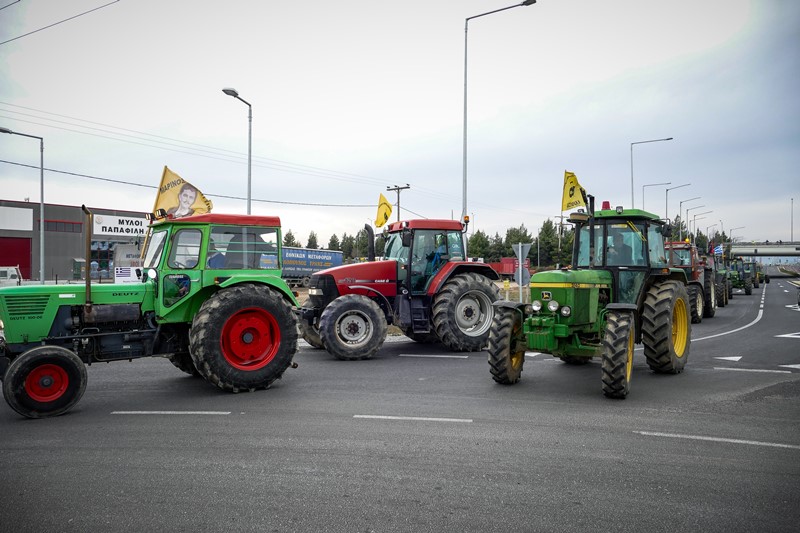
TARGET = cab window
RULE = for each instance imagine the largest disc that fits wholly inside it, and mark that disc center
(243, 247)
(185, 249)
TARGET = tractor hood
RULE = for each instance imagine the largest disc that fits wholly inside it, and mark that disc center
(377, 275)
(577, 289)
(571, 277)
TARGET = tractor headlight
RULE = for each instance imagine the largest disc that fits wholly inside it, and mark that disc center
(528, 310)
(315, 292)
(566, 311)
(552, 306)
(536, 305)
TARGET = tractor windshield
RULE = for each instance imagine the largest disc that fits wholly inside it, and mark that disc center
(155, 245)
(681, 257)
(395, 249)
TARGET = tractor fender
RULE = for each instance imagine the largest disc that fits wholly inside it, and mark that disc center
(454, 268)
(507, 304)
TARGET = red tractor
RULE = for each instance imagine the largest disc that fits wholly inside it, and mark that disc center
(700, 273)
(422, 285)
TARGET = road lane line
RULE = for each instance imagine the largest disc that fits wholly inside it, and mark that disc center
(433, 356)
(753, 323)
(764, 371)
(718, 439)
(170, 412)
(415, 418)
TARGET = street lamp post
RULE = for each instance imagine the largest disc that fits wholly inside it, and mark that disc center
(680, 214)
(694, 223)
(41, 199)
(652, 185)
(732, 230)
(235, 94)
(688, 222)
(464, 155)
(641, 142)
(666, 199)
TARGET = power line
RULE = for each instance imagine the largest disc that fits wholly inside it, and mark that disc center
(57, 23)
(109, 180)
(9, 5)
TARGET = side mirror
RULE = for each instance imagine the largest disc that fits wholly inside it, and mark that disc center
(666, 230)
(406, 238)
(138, 273)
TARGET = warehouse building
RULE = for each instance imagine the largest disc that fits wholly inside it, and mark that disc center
(113, 231)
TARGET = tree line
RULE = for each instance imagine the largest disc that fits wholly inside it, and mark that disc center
(544, 252)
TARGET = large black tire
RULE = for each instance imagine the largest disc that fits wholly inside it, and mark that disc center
(463, 312)
(727, 290)
(748, 286)
(696, 303)
(243, 338)
(755, 281)
(719, 291)
(666, 327)
(766, 278)
(506, 346)
(617, 358)
(352, 327)
(710, 307)
(183, 362)
(44, 381)
(730, 288)
(311, 334)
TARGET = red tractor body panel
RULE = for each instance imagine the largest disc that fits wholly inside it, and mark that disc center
(380, 276)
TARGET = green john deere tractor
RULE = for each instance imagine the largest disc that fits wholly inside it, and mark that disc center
(742, 275)
(619, 292)
(211, 300)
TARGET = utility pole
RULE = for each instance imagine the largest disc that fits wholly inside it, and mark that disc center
(397, 190)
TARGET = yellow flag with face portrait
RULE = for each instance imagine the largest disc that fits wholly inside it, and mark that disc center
(179, 198)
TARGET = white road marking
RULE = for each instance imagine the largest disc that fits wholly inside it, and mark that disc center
(790, 366)
(170, 412)
(732, 358)
(718, 439)
(758, 370)
(789, 336)
(754, 322)
(433, 356)
(415, 418)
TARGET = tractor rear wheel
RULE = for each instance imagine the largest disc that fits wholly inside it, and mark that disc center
(748, 286)
(352, 327)
(697, 303)
(506, 346)
(462, 312)
(719, 292)
(183, 362)
(617, 359)
(311, 334)
(666, 327)
(44, 381)
(710, 308)
(729, 284)
(243, 338)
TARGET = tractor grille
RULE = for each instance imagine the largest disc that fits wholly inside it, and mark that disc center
(24, 305)
(329, 290)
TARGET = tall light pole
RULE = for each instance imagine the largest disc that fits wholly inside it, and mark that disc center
(464, 155)
(680, 214)
(652, 185)
(688, 222)
(694, 223)
(41, 199)
(732, 230)
(235, 94)
(666, 199)
(641, 142)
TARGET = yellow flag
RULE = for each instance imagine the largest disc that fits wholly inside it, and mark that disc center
(384, 211)
(574, 195)
(180, 198)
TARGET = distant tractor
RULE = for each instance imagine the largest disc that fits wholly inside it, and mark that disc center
(742, 276)
(620, 291)
(422, 286)
(211, 300)
(701, 276)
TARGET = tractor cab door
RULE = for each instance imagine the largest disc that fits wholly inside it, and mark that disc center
(430, 251)
(626, 255)
(181, 276)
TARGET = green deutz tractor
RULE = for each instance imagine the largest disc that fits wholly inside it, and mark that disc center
(211, 300)
(619, 292)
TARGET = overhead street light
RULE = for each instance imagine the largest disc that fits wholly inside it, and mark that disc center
(730, 236)
(688, 223)
(464, 154)
(694, 223)
(666, 199)
(641, 142)
(41, 199)
(232, 92)
(680, 214)
(652, 185)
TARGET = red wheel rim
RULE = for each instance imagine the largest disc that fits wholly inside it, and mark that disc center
(46, 383)
(250, 339)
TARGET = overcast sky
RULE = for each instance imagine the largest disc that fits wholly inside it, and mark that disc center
(353, 96)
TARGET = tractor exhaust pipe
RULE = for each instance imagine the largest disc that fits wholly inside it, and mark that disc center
(370, 243)
(88, 256)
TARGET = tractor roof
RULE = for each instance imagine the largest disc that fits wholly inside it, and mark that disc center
(427, 223)
(626, 213)
(214, 218)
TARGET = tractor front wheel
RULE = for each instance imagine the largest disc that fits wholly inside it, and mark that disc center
(710, 308)
(506, 346)
(666, 327)
(311, 334)
(462, 312)
(697, 303)
(352, 327)
(183, 362)
(748, 286)
(617, 360)
(44, 381)
(243, 338)
(719, 292)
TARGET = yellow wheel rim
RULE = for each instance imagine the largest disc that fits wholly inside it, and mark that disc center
(629, 359)
(680, 328)
(517, 349)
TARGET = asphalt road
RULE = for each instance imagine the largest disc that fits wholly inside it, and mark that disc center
(419, 439)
